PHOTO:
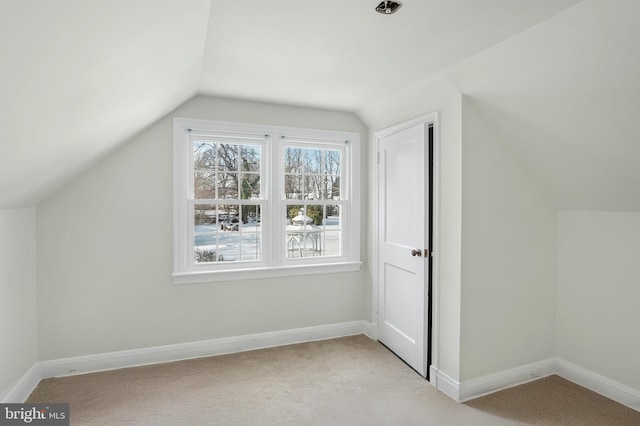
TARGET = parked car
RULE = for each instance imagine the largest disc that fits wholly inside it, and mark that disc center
(230, 224)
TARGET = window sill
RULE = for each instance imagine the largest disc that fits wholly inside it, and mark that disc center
(181, 278)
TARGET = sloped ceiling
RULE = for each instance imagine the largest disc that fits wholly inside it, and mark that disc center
(79, 78)
(565, 95)
(341, 55)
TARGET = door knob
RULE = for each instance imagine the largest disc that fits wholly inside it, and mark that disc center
(416, 252)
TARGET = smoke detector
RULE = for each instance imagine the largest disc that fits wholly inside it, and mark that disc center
(388, 7)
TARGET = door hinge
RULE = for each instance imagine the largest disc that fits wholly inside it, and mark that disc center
(378, 158)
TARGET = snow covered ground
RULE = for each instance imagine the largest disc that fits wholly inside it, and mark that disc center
(244, 244)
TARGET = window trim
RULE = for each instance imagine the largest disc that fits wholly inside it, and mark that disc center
(273, 264)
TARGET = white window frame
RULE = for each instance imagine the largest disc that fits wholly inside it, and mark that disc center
(274, 263)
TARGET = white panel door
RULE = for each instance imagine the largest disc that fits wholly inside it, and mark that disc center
(403, 227)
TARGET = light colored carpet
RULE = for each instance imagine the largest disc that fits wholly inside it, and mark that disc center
(347, 381)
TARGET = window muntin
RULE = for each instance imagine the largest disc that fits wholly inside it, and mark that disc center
(238, 188)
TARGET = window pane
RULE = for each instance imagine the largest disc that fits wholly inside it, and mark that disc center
(250, 186)
(229, 245)
(251, 214)
(228, 217)
(250, 230)
(315, 190)
(293, 160)
(204, 155)
(204, 185)
(332, 226)
(333, 187)
(205, 218)
(332, 217)
(304, 230)
(293, 187)
(227, 186)
(331, 243)
(228, 157)
(333, 162)
(250, 158)
(313, 160)
(205, 244)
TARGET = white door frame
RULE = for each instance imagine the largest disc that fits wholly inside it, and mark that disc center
(429, 119)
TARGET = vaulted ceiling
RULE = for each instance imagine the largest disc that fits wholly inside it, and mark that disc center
(79, 78)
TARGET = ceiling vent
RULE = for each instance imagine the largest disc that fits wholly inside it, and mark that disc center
(388, 7)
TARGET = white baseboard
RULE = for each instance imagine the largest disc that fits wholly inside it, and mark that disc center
(465, 391)
(20, 391)
(181, 351)
(604, 386)
(490, 383)
(22, 388)
(445, 384)
(371, 330)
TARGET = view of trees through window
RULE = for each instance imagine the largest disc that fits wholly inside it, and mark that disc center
(312, 174)
(228, 202)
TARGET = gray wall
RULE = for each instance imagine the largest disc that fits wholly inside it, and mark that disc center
(508, 256)
(18, 328)
(598, 293)
(105, 253)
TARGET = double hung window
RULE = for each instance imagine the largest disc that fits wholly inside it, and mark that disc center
(258, 201)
